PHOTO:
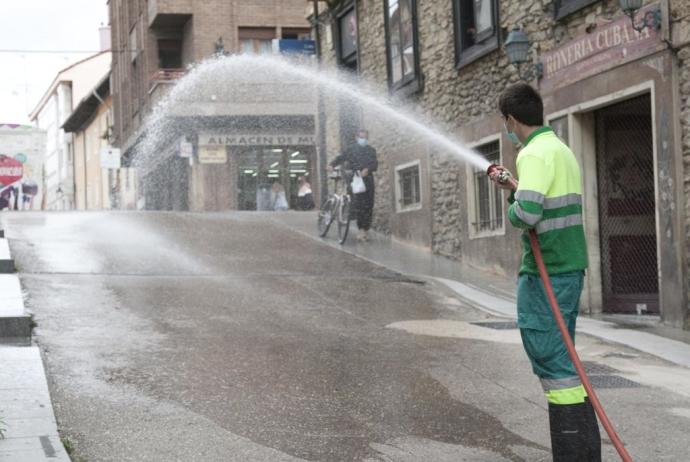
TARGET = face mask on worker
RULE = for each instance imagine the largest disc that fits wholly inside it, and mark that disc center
(511, 135)
(362, 141)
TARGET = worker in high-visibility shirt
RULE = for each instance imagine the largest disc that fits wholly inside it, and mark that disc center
(549, 199)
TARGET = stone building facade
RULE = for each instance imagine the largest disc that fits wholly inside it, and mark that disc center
(158, 41)
(620, 98)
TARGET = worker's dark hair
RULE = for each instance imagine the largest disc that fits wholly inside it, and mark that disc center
(364, 131)
(522, 102)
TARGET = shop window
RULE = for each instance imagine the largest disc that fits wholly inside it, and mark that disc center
(408, 187)
(256, 40)
(486, 215)
(476, 29)
(563, 8)
(169, 54)
(401, 42)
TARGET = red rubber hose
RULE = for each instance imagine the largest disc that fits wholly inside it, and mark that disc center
(598, 408)
(555, 309)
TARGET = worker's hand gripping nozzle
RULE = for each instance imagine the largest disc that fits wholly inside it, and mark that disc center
(500, 175)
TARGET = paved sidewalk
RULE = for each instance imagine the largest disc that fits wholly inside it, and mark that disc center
(493, 293)
(26, 413)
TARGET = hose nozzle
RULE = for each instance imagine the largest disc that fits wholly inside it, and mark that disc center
(503, 175)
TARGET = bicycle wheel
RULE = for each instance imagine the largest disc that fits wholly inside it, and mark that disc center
(344, 218)
(326, 216)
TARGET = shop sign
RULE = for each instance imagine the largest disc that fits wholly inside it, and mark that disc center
(215, 139)
(608, 46)
(294, 47)
(212, 154)
(110, 158)
(186, 149)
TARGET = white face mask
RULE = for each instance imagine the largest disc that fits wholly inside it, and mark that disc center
(362, 141)
(511, 135)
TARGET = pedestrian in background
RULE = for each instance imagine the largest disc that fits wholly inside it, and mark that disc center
(549, 199)
(361, 158)
(305, 198)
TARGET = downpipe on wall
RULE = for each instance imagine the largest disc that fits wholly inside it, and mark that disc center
(504, 177)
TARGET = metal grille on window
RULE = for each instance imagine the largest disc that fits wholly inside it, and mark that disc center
(488, 199)
(409, 186)
(627, 219)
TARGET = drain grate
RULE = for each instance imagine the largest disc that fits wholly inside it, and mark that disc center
(612, 381)
(595, 368)
(500, 325)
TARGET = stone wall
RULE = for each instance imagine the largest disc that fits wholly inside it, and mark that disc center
(463, 102)
(680, 17)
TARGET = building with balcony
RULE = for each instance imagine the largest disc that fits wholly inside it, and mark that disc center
(618, 95)
(226, 149)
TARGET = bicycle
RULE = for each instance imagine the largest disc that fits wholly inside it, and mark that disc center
(335, 207)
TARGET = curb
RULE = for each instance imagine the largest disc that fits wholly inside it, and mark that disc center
(30, 428)
(6, 261)
(667, 349)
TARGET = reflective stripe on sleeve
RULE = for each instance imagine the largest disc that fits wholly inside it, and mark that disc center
(562, 201)
(552, 224)
(529, 218)
(527, 195)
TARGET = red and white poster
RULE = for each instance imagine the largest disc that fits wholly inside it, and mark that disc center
(11, 170)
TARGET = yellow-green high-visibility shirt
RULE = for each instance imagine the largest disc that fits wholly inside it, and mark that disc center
(549, 199)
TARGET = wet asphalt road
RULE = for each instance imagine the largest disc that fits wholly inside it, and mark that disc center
(227, 337)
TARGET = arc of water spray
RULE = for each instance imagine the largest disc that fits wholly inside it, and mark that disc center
(336, 82)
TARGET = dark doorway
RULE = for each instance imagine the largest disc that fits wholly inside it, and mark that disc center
(627, 219)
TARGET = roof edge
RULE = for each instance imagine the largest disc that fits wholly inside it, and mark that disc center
(56, 81)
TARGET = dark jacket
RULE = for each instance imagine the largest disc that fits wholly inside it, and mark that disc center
(357, 157)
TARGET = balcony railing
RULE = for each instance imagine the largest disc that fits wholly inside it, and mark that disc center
(165, 76)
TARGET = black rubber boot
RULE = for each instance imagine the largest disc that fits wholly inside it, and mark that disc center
(569, 442)
(593, 437)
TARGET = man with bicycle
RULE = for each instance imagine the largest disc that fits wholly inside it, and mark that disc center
(360, 157)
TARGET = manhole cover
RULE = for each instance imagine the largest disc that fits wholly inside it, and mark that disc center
(612, 381)
(500, 325)
(595, 368)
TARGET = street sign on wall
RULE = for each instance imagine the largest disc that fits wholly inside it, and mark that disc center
(186, 149)
(294, 47)
(110, 158)
(11, 170)
(212, 155)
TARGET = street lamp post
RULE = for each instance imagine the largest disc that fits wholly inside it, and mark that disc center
(651, 19)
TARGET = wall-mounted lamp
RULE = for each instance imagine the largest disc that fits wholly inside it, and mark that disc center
(652, 18)
(517, 48)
